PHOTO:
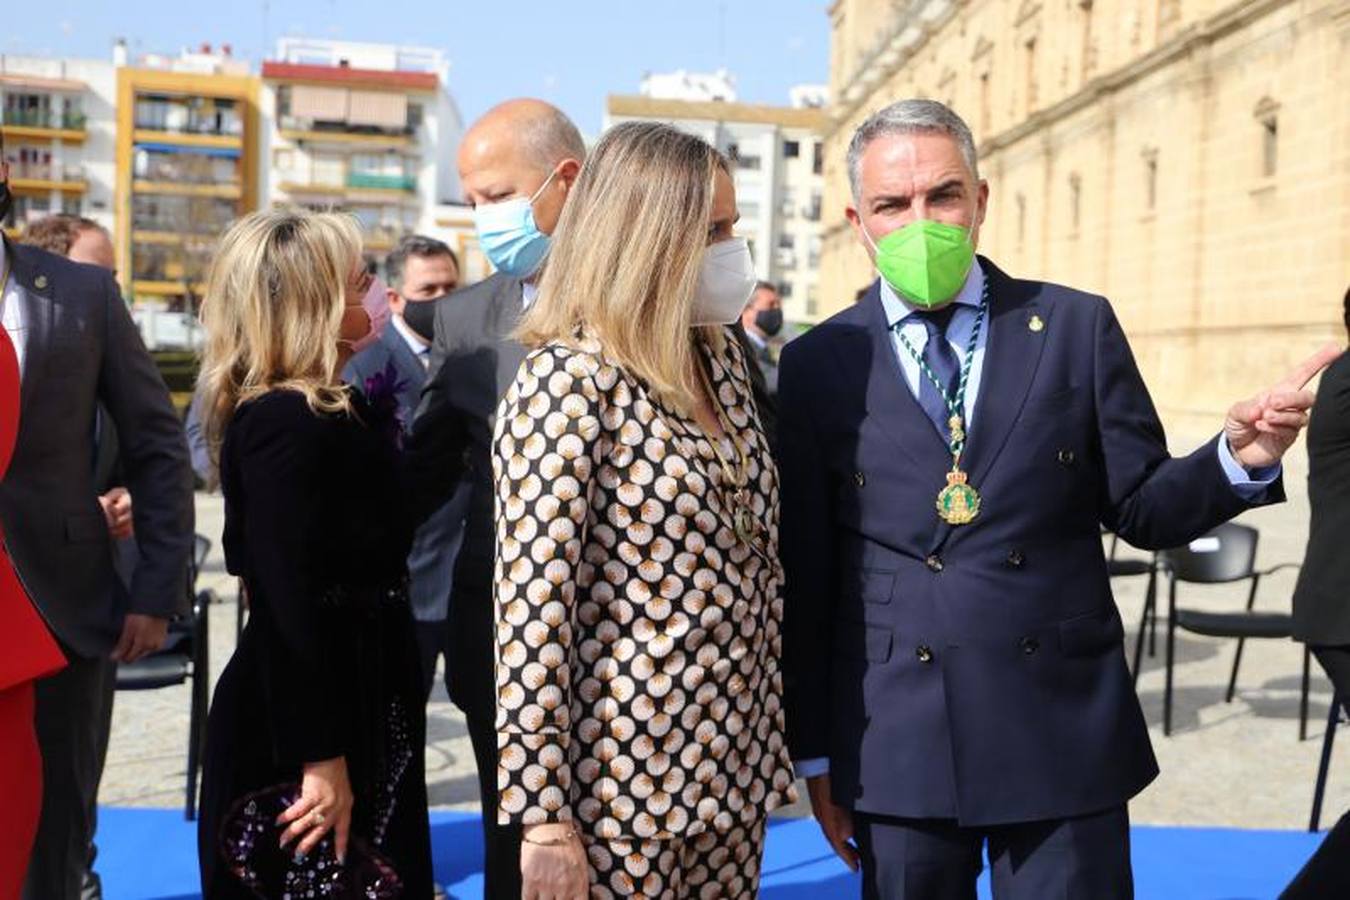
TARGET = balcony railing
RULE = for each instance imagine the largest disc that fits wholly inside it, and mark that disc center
(382, 182)
(46, 172)
(382, 237)
(321, 127)
(45, 118)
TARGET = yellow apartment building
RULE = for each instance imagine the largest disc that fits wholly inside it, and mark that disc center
(186, 166)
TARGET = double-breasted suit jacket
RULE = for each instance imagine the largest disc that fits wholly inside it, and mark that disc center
(638, 681)
(976, 672)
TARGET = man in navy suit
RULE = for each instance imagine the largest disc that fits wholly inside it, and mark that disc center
(949, 445)
(420, 271)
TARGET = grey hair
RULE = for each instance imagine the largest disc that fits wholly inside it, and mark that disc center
(549, 138)
(413, 245)
(913, 116)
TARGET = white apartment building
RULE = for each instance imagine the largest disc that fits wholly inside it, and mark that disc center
(60, 128)
(369, 128)
(693, 86)
(776, 155)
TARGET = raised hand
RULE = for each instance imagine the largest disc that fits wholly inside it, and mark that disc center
(1262, 428)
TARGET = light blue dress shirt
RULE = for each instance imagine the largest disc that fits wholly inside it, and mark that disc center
(1249, 486)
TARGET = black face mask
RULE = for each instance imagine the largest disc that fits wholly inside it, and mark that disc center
(769, 321)
(420, 315)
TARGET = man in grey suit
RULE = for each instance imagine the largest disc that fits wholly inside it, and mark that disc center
(517, 163)
(420, 271)
(79, 348)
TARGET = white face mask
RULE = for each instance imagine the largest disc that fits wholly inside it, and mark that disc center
(725, 284)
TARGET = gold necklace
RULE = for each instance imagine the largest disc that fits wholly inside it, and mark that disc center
(742, 511)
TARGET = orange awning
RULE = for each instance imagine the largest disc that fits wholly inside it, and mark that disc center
(34, 82)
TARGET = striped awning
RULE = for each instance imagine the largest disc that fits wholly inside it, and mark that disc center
(322, 103)
(382, 109)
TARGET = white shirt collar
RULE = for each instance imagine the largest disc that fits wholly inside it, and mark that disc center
(414, 341)
(898, 308)
(528, 292)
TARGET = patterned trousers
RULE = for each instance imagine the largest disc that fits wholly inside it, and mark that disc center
(722, 865)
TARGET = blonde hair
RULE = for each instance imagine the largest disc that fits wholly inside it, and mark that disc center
(625, 259)
(273, 309)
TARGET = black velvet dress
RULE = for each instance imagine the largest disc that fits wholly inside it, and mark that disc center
(327, 665)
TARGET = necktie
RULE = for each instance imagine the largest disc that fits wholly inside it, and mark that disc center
(941, 360)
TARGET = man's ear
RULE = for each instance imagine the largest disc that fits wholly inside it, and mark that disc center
(568, 170)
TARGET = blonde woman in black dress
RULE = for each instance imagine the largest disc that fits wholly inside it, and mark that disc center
(640, 720)
(323, 691)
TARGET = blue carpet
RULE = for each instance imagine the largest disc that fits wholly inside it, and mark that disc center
(150, 854)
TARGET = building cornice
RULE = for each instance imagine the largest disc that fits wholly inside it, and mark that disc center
(304, 73)
(913, 30)
(908, 34)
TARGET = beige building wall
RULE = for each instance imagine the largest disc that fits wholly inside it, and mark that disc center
(1190, 159)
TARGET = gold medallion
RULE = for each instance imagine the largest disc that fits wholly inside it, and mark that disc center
(958, 503)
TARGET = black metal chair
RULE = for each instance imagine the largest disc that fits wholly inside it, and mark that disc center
(1226, 555)
(1148, 619)
(185, 656)
(1338, 706)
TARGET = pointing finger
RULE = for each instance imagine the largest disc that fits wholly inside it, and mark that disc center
(1311, 366)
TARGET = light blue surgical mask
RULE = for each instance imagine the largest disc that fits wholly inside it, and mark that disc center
(509, 236)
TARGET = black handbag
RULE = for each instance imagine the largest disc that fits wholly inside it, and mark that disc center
(250, 845)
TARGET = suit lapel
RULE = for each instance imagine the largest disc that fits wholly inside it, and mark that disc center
(890, 402)
(1012, 353)
(509, 307)
(36, 294)
(409, 367)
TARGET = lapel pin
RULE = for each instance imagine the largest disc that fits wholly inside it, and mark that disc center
(40, 282)
(1036, 324)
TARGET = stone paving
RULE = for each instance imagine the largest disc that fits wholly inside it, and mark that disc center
(1238, 764)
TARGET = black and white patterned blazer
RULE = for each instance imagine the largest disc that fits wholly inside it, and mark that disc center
(638, 639)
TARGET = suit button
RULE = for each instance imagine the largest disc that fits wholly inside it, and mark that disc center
(924, 653)
(1066, 457)
(1016, 559)
(934, 563)
(1030, 645)
(860, 478)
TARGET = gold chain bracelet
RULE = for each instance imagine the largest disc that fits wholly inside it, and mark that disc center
(554, 842)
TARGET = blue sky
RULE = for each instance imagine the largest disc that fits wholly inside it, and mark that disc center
(571, 53)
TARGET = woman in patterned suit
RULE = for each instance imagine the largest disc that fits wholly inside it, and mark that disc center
(640, 718)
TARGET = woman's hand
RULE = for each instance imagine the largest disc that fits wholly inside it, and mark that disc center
(325, 804)
(553, 864)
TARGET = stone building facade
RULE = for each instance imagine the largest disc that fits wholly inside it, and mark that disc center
(1189, 159)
